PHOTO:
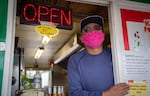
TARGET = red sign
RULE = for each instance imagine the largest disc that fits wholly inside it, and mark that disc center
(33, 14)
(135, 17)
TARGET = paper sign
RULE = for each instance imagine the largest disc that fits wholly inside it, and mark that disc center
(138, 89)
(2, 46)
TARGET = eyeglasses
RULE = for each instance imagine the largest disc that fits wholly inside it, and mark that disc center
(89, 29)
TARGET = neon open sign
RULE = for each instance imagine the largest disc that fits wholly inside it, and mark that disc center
(33, 14)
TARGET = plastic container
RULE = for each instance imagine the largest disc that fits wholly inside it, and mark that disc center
(37, 82)
(49, 91)
(62, 91)
(54, 90)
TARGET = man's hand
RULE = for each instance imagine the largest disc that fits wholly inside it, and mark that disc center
(120, 89)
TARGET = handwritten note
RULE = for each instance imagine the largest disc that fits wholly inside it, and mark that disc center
(138, 89)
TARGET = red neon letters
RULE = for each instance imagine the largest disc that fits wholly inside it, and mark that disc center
(36, 13)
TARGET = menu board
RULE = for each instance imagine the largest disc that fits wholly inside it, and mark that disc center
(136, 53)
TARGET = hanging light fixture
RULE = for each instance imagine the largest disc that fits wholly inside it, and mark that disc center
(48, 30)
(36, 65)
(45, 39)
(39, 52)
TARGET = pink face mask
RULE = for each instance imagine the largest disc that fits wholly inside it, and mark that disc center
(93, 39)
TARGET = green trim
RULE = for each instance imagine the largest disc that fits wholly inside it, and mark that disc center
(3, 19)
(3, 29)
(142, 1)
(2, 56)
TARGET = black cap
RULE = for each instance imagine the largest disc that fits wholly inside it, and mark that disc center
(92, 19)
